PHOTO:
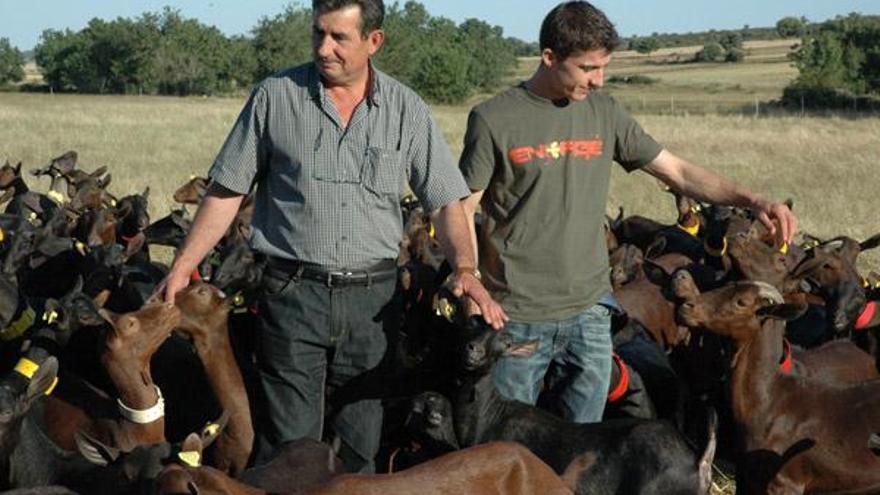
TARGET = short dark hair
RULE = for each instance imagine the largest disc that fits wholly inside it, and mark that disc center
(577, 26)
(372, 11)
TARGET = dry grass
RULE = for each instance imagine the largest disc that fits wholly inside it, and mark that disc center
(827, 165)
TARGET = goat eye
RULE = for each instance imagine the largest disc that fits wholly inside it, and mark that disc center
(741, 303)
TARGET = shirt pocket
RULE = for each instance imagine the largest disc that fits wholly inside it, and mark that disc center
(382, 173)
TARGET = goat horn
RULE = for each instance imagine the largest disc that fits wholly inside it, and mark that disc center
(767, 291)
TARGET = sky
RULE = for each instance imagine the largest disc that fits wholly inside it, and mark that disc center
(22, 22)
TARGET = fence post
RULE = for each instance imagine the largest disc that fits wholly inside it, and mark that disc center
(757, 108)
(803, 107)
(672, 105)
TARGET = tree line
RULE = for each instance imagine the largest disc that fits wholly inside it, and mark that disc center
(166, 53)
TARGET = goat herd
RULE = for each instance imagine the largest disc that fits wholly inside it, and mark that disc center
(726, 341)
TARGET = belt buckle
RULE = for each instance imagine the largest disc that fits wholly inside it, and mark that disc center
(340, 276)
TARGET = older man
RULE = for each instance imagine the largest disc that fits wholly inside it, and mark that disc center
(330, 146)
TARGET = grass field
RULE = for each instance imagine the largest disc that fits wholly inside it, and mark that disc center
(827, 165)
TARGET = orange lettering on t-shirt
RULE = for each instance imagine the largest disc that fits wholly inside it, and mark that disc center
(520, 156)
(581, 149)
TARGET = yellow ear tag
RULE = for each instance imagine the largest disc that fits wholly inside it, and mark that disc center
(431, 230)
(55, 196)
(192, 177)
(693, 231)
(2, 235)
(784, 248)
(866, 284)
(210, 430)
(80, 247)
(51, 387)
(238, 299)
(50, 316)
(26, 367)
(113, 202)
(32, 217)
(191, 458)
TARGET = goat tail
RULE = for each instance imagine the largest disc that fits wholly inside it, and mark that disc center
(705, 464)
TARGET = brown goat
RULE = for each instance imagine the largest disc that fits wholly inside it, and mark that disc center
(798, 434)
(132, 340)
(499, 468)
(204, 314)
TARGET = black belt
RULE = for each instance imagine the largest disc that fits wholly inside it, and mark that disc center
(285, 268)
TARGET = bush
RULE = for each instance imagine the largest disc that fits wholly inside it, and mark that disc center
(735, 55)
(635, 79)
(644, 45)
(711, 52)
(11, 63)
(440, 74)
(791, 27)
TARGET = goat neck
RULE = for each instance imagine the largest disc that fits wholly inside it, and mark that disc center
(756, 368)
(204, 319)
(129, 346)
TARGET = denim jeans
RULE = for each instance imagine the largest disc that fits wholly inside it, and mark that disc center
(574, 353)
(314, 339)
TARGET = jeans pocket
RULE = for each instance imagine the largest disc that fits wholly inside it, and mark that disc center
(274, 284)
(382, 172)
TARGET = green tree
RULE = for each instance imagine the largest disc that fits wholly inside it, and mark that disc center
(820, 63)
(492, 56)
(711, 52)
(645, 45)
(735, 55)
(11, 62)
(63, 57)
(439, 76)
(730, 40)
(791, 27)
(283, 41)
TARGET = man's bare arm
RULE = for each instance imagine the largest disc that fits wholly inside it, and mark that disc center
(455, 238)
(704, 185)
(216, 212)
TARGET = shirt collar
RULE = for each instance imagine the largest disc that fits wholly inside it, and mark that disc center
(316, 87)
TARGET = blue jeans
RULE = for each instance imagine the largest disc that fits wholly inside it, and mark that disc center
(577, 354)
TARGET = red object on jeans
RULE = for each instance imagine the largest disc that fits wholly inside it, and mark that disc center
(622, 382)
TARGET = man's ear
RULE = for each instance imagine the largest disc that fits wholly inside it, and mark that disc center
(376, 38)
(548, 58)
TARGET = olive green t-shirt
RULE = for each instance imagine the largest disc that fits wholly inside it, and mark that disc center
(545, 170)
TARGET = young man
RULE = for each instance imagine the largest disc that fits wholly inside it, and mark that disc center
(537, 158)
(329, 146)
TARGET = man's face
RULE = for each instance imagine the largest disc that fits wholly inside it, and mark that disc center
(341, 51)
(578, 74)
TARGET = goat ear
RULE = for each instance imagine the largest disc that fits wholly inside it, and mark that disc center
(870, 243)
(101, 298)
(656, 248)
(192, 443)
(785, 312)
(18, 169)
(522, 349)
(874, 443)
(93, 450)
(212, 430)
(43, 379)
(656, 273)
(146, 193)
(98, 172)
